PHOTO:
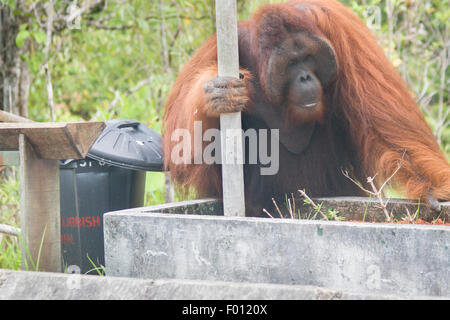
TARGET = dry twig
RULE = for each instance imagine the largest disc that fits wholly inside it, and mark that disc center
(311, 202)
(278, 209)
(5, 229)
(378, 193)
(267, 212)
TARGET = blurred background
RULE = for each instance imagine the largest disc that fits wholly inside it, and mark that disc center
(83, 60)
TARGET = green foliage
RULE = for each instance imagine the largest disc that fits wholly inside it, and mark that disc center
(33, 31)
(10, 3)
(10, 256)
(415, 36)
(92, 65)
(154, 188)
(100, 270)
(328, 214)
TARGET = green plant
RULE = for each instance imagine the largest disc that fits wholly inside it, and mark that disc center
(28, 259)
(10, 254)
(99, 269)
(328, 214)
(367, 207)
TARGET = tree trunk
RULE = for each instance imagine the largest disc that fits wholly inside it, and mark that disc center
(14, 73)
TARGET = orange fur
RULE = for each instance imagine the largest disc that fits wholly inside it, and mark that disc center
(186, 104)
(383, 119)
(369, 97)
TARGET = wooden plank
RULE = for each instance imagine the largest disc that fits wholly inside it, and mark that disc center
(39, 206)
(230, 123)
(52, 140)
(10, 117)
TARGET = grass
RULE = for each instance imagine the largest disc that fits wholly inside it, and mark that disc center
(99, 269)
(34, 265)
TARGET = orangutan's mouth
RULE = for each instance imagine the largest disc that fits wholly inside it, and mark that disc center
(310, 105)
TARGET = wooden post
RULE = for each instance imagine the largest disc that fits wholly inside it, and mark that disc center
(40, 147)
(40, 216)
(230, 123)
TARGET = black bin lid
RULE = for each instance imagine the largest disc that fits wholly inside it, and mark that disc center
(128, 144)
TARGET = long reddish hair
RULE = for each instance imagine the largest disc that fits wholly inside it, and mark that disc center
(368, 96)
(385, 123)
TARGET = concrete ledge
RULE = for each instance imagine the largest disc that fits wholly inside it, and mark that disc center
(369, 258)
(27, 285)
(355, 208)
(350, 208)
(23, 285)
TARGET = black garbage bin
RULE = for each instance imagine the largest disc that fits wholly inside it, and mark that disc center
(111, 177)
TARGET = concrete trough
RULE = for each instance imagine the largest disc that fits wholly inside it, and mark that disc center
(184, 241)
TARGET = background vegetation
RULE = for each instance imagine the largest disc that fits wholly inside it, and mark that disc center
(119, 59)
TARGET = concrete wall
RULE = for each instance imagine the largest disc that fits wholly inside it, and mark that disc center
(406, 260)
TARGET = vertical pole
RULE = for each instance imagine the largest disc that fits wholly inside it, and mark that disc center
(230, 123)
(40, 216)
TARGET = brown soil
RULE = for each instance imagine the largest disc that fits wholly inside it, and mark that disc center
(418, 221)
